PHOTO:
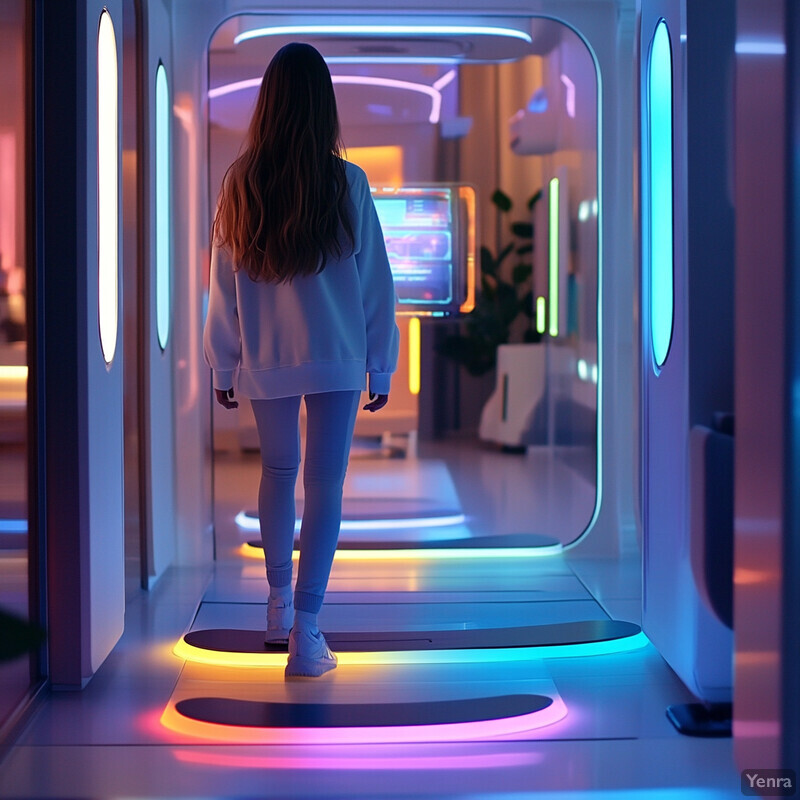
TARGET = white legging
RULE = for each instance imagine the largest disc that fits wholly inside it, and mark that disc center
(329, 431)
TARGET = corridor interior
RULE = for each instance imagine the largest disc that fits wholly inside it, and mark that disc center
(608, 735)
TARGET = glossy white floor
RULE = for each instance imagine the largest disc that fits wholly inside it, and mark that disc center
(110, 741)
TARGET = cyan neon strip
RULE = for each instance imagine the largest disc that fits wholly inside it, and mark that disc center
(662, 288)
(492, 655)
(554, 255)
(382, 30)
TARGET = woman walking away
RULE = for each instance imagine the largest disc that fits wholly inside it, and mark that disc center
(301, 305)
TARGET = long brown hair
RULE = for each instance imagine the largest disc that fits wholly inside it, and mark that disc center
(282, 210)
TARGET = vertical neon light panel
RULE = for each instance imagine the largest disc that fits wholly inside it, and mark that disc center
(554, 255)
(414, 355)
(659, 131)
(107, 187)
(163, 206)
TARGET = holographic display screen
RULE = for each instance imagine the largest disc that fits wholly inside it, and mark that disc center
(418, 229)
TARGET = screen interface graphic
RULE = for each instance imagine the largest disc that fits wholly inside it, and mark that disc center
(418, 230)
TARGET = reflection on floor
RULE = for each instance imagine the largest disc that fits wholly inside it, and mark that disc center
(114, 739)
(539, 494)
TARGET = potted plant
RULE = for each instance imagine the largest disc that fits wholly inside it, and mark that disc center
(504, 311)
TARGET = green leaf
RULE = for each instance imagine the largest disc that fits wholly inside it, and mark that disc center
(475, 355)
(534, 200)
(504, 253)
(522, 229)
(525, 249)
(521, 273)
(488, 263)
(526, 305)
(502, 200)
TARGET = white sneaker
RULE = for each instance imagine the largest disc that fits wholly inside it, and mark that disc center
(279, 621)
(309, 655)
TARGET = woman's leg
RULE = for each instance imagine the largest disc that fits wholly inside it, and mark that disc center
(279, 436)
(329, 432)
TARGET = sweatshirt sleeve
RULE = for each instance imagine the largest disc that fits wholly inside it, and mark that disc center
(377, 295)
(222, 344)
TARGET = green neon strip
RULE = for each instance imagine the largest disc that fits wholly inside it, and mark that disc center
(541, 309)
(554, 233)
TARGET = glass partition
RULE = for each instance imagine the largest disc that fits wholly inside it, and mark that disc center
(492, 426)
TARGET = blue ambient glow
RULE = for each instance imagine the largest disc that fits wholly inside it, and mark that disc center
(763, 47)
(13, 526)
(538, 103)
(163, 207)
(382, 30)
(659, 106)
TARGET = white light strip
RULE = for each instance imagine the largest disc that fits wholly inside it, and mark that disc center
(353, 80)
(230, 88)
(754, 47)
(570, 96)
(248, 523)
(445, 80)
(382, 30)
(391, 83)
(378, 59)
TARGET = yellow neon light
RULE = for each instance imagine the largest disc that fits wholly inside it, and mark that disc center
(434, 554)
(383, 165)
(414, 347)
(541, 314)
(12, 373)
(467, 194)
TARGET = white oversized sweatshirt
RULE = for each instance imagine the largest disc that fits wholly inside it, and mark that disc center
(319, 333)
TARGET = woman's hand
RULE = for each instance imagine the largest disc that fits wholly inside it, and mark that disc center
(225, 398)
(378, 402)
